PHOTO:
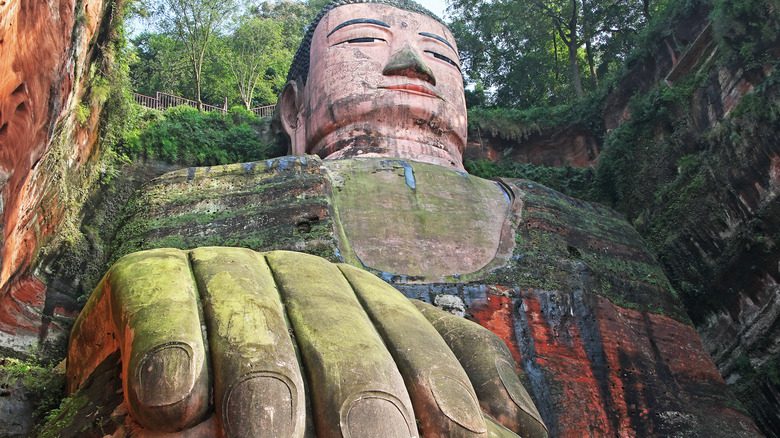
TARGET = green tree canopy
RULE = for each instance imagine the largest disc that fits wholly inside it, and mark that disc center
(543, 52)
(243, 60)
(194, 23)
(257, 58)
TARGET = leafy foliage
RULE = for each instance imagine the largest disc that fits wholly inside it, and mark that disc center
(747, 30)
(44, 385)
(183, 135)
(158, 66)
(635, 152)
(244, 63)
(571, 181)
(518, 124)
(258, 59)
(538, 52)
(193, 23)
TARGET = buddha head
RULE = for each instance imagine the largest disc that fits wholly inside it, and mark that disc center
(376, 79)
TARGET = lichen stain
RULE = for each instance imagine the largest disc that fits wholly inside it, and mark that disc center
(496, 315)
(567, 363)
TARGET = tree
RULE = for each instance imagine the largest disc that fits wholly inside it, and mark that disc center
(254, 45)
(539, 52)
(514, 51)
(565, 18)
(194, 23)
(293, 15)
(159, 65)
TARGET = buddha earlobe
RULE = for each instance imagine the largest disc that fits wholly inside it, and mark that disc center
(290, 109)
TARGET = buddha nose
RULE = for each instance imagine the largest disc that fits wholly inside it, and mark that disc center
(407, 62)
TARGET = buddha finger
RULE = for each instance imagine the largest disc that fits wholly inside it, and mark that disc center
(444, 401)
(496, 430)
(93, 338)
(490, 367)
(357, 391)
(154, 304)
(258, 388)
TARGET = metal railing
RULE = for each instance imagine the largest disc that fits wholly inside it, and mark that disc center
(162, 101)
(264, 111)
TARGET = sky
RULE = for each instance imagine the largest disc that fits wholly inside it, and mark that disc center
(436, 6)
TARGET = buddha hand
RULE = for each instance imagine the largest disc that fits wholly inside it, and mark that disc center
(283, 344)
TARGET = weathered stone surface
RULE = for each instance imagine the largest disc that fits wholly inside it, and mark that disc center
(16, 408)
(574, 146)
(439, 388)
(96, 410)
(491, 368)
(581, 304)
(45, 52)
(253, 357)
(409, 219)
(373, 363)
(275, 204)
(399, 93)
(165, 369)
(590, 315)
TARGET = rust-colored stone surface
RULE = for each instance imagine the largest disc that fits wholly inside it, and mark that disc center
(399, 93)
(583, 307)
(44, 50)
(572, 146)
(625, 372)
(580, 302)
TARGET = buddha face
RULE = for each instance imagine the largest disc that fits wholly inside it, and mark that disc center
(383, 82)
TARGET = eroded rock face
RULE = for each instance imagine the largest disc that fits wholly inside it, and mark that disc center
(45, 49)
(713, 224)
(573, 146)
(373, 361)
(16, 408)
(581, 304)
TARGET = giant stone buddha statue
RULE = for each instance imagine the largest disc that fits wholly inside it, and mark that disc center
(227, 341)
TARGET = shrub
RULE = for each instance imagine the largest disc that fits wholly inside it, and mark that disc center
(186, 136)
(571, 181)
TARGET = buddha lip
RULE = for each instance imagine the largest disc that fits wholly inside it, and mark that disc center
(411, 88)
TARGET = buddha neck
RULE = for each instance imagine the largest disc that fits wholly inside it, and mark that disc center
(421, 145)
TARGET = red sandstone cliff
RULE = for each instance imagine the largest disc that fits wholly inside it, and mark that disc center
(46, 49)
(601, 338)
(695, 167)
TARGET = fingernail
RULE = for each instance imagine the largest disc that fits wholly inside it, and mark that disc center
(261, 406)
(165, 376)
(376, 416)
(457, 402)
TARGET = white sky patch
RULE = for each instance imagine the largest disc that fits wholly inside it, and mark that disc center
(438, 7)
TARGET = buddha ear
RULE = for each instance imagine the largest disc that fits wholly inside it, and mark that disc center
(290, 117)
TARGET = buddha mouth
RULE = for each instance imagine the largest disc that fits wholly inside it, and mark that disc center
(417, 89)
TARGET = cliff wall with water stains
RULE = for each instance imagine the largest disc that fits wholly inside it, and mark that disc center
(601, 339)
(50, 54)
(687, 150)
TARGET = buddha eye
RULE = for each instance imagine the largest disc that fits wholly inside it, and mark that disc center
(443, 58)
(361, 40)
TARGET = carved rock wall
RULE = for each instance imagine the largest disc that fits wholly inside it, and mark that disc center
(574, 146)
(603, 343)
(705, 197)
(698, 176)
(45, 50)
